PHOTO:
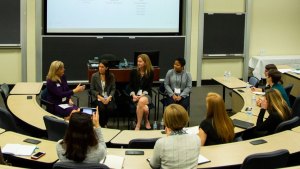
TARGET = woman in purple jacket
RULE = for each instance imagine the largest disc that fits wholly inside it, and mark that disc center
(59, 92)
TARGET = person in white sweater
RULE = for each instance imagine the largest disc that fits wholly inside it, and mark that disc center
(83, 141)
(179, 149)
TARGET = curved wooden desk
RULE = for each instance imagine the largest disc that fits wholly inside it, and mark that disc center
(28, 110)
(46, 146)
(27, 88)
(126, 135)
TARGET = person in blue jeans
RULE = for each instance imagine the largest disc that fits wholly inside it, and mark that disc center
(178, 84)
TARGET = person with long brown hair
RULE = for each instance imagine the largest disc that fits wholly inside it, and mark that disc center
(217, 128)
(140, 87)
(103, 88)
(83, 141)
(278, 110)
(178, 149)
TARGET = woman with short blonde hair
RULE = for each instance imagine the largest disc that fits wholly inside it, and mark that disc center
(178, 149)
(217, 128)
(59, 92)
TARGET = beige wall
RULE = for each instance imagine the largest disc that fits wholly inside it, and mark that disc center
(274, 30)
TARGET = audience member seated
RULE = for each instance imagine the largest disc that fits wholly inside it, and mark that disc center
(59, 92)
(103, 88)
(178, 149)
(83, 141)
(268, 67)
(275, 82)
(140, 87)
(278, 111)
(217, 128)
(178, 84)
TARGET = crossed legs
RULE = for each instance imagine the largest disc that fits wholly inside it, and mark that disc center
(142, 110)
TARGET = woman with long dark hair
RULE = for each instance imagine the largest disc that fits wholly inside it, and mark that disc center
(103, 88)
(83, 141)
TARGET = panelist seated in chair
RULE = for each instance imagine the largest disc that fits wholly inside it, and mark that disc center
(178, 84)
(217, 128)
(83, 140)
(59, 92)
(103, 88)
(178, 149)
(140, 87)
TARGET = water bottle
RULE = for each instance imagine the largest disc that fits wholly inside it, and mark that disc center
(248, 85)
(228, 76)
(155, 125)
(162, 125)
(249, 114)
(253, 100)
(125, 62)
(225, 76)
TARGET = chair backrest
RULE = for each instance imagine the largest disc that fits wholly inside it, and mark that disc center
(143, 143)
(296, 107)
(7, 120)
(268, 160)
(253, 81)
(56, 128)
(287, 125)
(288, 89)
(74, 165)
(4, 90)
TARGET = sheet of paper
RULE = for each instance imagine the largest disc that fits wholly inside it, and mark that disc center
(259, 93)
(64, 106)
(18, 149)
(192, 130)
(113, 161)
(202, 159)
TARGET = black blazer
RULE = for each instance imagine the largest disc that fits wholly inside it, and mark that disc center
(96, 88)
(137, 82)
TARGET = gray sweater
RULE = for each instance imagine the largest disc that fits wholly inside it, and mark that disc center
(94, 154)
(182, 80)
(176, 152)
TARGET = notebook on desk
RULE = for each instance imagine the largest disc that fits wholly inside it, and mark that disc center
(242, 124)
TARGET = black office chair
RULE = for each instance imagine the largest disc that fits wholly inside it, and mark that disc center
(296, 107)
(74, 165)
(132, 106)
(142, 143)
(4, 90)
(7, 120)
(268, 160)
(253, 81)
(56, 128)
(288, 89)
(287, 125)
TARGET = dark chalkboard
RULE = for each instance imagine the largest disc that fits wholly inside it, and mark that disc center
(223, 33)
(10, 22)
(77, 50)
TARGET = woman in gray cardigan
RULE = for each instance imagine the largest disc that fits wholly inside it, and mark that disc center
(103, 88)
(178, 149)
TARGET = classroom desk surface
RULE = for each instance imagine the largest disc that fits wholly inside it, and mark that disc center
(2, 130)
(109, 134)
(234, 153)
(27, 88)
(296, 129)
(133, 161)
(46, 146)
(125, 136)
(230, 83)
(242, 98)
(28, 110)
